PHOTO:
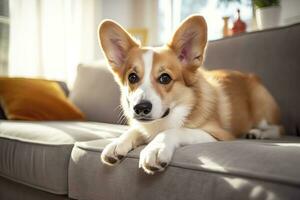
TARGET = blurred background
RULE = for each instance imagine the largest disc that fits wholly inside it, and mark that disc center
(49, 38)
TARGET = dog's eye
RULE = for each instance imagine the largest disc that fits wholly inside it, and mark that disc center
(133, 78)
(164, 78)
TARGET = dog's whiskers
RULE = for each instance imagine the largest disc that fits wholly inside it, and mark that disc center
(121, 117)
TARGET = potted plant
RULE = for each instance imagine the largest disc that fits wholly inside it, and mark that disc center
(267, 13)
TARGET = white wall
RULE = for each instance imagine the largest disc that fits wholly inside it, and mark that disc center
(290, 12)
(119, 10)
(130, 14)
(146, 16)
(133, 14)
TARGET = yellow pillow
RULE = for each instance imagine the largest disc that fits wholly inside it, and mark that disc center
(36, 99)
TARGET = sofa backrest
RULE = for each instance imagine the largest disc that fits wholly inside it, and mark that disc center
(272, 54)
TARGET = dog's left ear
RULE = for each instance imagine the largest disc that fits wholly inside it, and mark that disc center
(189, 42)
(116, 42)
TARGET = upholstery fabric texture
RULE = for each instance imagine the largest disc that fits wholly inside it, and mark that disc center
(259, 169)
(97, 94)
(37, 153)
(11, 190)
(274, 56)
(36, 99)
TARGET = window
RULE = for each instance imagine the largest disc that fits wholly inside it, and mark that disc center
(172, 12)
(4, 36)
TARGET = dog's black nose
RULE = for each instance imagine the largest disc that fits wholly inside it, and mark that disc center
(143, 108)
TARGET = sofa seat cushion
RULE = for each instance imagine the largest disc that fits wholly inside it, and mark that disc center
(242, 169)
(37, 153)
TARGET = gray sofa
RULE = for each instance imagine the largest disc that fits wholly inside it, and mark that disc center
(61, 160)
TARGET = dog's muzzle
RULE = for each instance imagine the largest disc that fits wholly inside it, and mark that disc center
(145, 117)
(143, 108)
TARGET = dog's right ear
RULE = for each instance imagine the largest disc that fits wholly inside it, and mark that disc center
(116, 43)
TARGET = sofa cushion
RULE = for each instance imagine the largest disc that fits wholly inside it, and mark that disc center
(97, 94)
(63, 86)
(37, 153)
(35, 99)
(11, 190)
(242, 169)
(273, 55)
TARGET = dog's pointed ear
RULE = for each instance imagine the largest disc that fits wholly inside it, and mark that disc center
(115, 43)
(189, 41)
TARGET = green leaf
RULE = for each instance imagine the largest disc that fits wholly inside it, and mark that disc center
(265, 3)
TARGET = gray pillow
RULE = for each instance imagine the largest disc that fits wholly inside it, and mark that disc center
(96, 94)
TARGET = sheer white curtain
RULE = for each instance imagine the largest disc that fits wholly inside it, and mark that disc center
(48, 38)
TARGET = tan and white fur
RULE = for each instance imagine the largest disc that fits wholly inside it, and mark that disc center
(171, 101)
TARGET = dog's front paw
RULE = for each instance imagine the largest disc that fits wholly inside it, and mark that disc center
(155, 157)
(114, 152)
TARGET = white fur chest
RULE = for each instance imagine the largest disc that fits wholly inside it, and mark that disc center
(174, 120)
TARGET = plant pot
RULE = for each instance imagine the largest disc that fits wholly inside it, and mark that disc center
(268, 17)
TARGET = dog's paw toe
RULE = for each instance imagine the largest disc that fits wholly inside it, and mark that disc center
(253, 134)
(109, 160)
(163, 164)
(112, 154)
(250, 136)
(154, 159)
(152, 168)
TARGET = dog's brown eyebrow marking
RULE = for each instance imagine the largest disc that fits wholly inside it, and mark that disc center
(161, 69)
(132, 68)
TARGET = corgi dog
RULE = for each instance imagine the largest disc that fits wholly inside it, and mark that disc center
(170, 100)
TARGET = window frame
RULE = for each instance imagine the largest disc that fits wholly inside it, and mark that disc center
(4, 69)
